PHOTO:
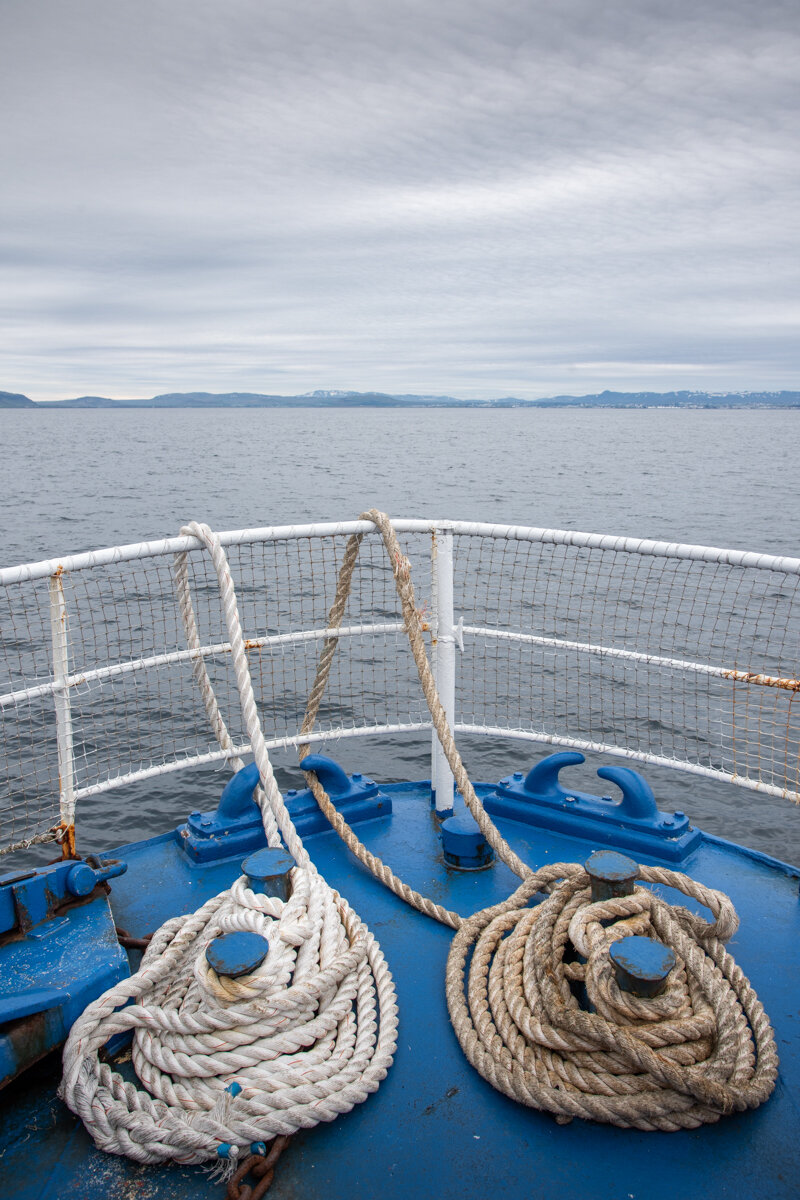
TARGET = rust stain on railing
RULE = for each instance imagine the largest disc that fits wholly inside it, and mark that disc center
(67, 840)
(786, 685)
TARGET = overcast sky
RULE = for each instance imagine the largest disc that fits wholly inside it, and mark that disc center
(472, 198)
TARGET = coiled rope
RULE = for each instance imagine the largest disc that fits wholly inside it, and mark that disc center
(232, 1062)
(703, 1048)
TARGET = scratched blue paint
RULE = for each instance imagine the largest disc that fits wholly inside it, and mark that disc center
(268, 870)
(435, 1130)
(58, 951)
(611, 874)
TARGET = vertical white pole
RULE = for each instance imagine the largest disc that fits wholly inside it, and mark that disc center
(444, 662)
(66, 761)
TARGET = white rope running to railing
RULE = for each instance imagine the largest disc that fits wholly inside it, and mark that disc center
(232, 1062)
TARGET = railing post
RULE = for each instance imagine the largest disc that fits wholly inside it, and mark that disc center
(444, 662)
(66, 760)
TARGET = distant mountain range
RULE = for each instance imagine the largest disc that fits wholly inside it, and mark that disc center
(340, 399)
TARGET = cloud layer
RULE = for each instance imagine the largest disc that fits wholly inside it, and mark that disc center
(479, 198)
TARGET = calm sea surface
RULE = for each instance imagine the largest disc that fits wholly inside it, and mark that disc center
(80, 480)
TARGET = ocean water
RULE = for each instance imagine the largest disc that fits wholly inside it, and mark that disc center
(84, 479)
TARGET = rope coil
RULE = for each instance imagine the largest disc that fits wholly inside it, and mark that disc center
(701, 1049)
(304, 1037)
(577, 1063)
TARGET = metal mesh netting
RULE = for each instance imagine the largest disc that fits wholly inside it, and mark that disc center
(134, 704)
(562, 643)
(611, 649)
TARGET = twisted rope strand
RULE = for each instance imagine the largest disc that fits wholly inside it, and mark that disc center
(702, 1049)
(306, 1035)
(674, 1062)
(402, 575)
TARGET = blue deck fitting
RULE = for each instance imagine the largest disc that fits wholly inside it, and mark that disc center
(58, 952)
(355, 796)
(235, 828)
(392, 1145)
(464, 846)
(235, 954)
(268, 870)
(611, 874)
(642, 965)
(633, 823)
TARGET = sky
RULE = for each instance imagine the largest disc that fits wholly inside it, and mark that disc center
(471, 198)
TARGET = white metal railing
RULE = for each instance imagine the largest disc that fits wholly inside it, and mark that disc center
(659, 660)
(62, 680)
(562, 537)
(444, 661)
(66, 680)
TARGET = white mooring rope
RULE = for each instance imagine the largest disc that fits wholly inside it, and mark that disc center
(231, 1062)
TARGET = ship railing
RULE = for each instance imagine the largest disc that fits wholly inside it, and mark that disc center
(662, 653)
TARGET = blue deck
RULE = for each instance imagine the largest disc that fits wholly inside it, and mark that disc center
(435, 1128)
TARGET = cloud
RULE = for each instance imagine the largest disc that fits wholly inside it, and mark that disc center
(465, 197)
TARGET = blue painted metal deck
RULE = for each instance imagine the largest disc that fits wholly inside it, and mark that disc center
(435, 1129)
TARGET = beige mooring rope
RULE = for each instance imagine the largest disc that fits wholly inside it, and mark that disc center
(677, 1061)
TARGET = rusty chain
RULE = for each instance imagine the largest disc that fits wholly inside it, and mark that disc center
(262, 1167)
(128, 942)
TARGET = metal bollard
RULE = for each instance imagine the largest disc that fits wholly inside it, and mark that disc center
(642, 965)
(611, 874)
(235, 954)
(268, 870)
